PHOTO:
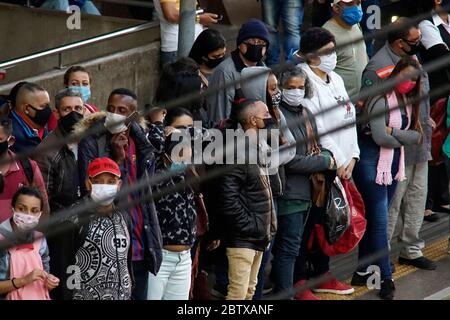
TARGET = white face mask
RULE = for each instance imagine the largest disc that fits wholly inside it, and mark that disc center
(104, 194)
(115, 123)
(25, 221)
(293, 97)
(327, 63)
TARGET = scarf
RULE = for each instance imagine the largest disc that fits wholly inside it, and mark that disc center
(384, 174)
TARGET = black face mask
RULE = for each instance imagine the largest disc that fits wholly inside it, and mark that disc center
(42, 116)
(270, 124)
(3, 147)
(414, 49)
(212, 63)
(254, 52)
(69, 120)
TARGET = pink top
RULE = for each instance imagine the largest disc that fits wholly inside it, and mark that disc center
(23, 260)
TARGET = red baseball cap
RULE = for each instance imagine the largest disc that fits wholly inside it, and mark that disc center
(102, 165)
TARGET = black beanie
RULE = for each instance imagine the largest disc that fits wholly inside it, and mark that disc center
(253, 28)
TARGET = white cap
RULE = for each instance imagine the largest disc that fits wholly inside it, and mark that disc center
(337, 1)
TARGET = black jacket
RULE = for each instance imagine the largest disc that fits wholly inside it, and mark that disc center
(245, 208)
(99, 145)
(299, 169)
(60, 171)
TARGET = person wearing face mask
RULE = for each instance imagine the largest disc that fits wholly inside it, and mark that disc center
(177, 217)
(59, 167)
(252, 43)
(318, 48)
(123, 139)
(265, 89)
(16, 173)
(244, 217)
(351, 59)
(78, 79)
(295, 215)
(382, 167)
(417, 157)
(102, 247)
(30, 117)
(24, 268)
(208, 51)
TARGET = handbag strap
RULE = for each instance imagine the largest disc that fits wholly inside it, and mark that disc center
(311, 143)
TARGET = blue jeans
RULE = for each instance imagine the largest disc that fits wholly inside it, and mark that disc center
(62, 5)
(376, 200)
(262, 270)
(291, 14)
(168, 57)
(173, 280)
(286, 249)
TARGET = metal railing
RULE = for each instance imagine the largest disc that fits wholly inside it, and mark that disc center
(75, 45)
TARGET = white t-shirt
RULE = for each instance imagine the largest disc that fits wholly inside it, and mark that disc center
(431, 35)
(343, 143)
(169, 31)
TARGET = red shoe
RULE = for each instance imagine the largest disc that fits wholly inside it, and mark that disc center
(306, 294)
(334, 286)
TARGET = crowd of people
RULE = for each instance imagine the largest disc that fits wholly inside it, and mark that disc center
(104, 204)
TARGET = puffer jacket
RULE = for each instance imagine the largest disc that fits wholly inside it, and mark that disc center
(245, 208)
(99, 145)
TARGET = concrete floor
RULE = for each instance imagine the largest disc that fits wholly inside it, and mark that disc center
(421, 284)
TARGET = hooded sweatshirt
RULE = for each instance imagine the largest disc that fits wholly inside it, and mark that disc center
(256, 88)
(344, 142)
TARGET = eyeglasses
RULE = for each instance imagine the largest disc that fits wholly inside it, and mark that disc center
(413, 43)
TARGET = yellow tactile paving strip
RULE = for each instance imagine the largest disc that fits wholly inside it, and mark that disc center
(436, 251)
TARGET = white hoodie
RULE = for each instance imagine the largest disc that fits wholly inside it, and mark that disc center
(343, 143)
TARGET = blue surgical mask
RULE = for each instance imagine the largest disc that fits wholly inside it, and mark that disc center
(178, 166)
(352, 15)
(85, 92)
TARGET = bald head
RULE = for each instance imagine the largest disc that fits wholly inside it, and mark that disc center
(251, 114)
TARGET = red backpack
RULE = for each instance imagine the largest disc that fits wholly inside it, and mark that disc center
(354, 233)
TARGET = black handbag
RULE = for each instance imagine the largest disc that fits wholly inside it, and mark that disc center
(337, 214)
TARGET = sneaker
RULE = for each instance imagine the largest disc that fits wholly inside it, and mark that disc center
(334, 286)
(387, 290)
(359, 280)
(306, 294)
(421, 263)
(219, 292)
